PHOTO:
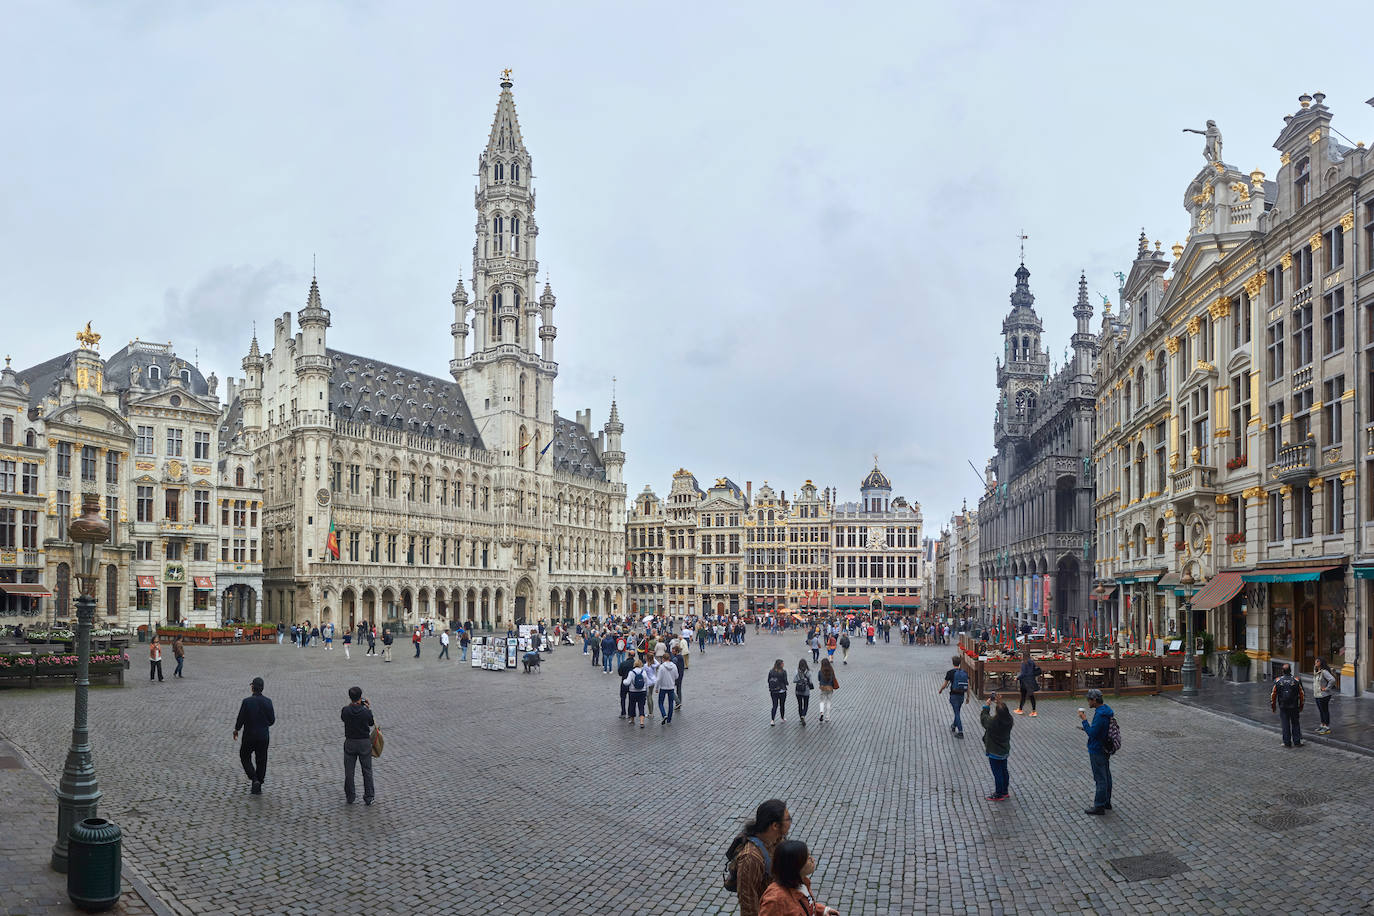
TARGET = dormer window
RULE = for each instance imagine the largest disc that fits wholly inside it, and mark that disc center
(1302, 182)
(186, 377)
(154, 374)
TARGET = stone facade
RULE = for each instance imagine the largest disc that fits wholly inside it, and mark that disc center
(880, 558)
(645, 540)
(1035, 516)
(469, 499)
(1239, 463)
(958, 586)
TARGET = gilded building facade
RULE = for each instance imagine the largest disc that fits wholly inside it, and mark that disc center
(467, 498)
(645, 541)
(879, 551)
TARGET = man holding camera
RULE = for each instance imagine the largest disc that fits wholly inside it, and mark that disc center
(358, 722)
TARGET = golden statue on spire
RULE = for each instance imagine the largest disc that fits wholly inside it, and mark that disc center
(88, 339)
(505, 74)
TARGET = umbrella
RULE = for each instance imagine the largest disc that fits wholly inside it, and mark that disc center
(586, 617)
(648, 620)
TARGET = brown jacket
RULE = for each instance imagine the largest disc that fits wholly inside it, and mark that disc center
(785, 901)
(752, 878)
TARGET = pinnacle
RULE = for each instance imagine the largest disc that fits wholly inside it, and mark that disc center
(313, 300)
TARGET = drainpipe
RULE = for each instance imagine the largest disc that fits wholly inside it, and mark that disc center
(1359, 526)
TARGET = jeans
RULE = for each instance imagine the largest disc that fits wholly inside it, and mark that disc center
(668, 696)
(827, 703)
(816, 654)
(417, 648)
(253, 756)
(181, 659)
(1324, 710)
(1102, 779)
(702, 643)
(358, 750)
(624, 693)
(155, 669)
(803, 704)
(619, 657)
(1292, 729)
(606, 659)
(779, 706)
(957, 701)
(465, 652)
(280, 634)
(1001, 778)
(443, 651)
(637, 703)
(1027, 693)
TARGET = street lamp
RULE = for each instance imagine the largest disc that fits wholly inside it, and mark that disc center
(78, 792)
(1188, 674)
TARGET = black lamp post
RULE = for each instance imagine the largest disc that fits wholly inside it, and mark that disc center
(78, 792)
(1188, 674)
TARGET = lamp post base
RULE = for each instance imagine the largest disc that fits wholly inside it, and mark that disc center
(78, 792)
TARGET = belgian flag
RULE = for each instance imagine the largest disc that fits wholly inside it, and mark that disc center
(332, 545)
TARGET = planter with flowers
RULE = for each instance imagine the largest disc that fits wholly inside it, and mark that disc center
(1234, 538)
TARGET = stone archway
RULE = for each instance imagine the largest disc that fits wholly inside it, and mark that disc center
(556, 611)
(524, 610)
(499, 607)
(472, 606)
(407, 612)
(369, 606)
(389, 603)
(486, 609)
(440, 604)
(348, 608)
(422, 603)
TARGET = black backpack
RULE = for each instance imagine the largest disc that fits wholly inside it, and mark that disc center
(730, 877)
(1286, 691)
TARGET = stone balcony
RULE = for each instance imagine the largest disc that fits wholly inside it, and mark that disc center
(1295, 463)
(1195, 480)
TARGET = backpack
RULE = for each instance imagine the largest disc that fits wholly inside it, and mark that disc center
(730, 878)
(1286, 691)
(960, 682)
(1113, 742)
(639, 679)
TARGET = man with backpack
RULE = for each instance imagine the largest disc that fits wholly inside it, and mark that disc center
(1287, 699)
(844, 648)
(1103, 741)
(749, 860)
(638, 683)
(956, 679)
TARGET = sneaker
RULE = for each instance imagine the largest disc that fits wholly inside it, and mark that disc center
(958, 734)
(803, 721)
(1297, 744)
(257, 787)
(993, 797)
(772, 722)
(1019, 712)
(1003, 797)
(1094, 810)
(1034, 714)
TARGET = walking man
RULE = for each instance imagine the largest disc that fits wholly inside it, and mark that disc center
(443, 644)
(179, 653)
(255, 719)
(386, 646)
(1287, 699)
(415, 638)
(956, 679)
(1097, 750)
(357, 722)
(844, 648)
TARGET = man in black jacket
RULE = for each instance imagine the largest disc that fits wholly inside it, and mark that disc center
(358, 722)
(623, 672)
(256, 717)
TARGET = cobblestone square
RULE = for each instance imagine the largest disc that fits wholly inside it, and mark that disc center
(505, 792)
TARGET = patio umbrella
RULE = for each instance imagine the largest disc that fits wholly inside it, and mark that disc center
(586, 617)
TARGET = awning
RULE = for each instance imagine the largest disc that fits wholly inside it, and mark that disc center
(1287, 574)
(203, 583)
(1169, 580)
(1220, 590)
(25, 590)
(147, 582)
(1110, 592)
(1364, 572)
(1147, 575)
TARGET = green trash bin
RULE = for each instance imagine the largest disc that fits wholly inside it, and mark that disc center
(93, 864)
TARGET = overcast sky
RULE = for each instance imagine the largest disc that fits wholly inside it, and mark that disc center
(789, 229)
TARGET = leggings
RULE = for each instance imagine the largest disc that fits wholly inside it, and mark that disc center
(803, 704)
(779, 705)
(1324, 709)
(1025, 693)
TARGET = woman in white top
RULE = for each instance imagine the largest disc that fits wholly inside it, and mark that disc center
(637, 681)
(666, 679)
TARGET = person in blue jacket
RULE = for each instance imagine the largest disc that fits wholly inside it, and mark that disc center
(1097, 750)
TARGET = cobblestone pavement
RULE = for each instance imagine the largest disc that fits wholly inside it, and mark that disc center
(508, 793)
(1352, 718)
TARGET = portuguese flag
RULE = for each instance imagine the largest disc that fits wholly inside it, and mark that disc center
(332, 545)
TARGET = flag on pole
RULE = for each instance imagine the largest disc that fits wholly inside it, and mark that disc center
(332, 544)
(543, 450)
(524, 445)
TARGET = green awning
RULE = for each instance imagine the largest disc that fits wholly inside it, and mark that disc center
(1287, 574)
(1364, 572)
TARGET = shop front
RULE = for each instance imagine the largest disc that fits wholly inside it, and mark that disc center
(1305, 610)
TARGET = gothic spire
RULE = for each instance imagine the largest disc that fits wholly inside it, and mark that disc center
(1021, 296)
(1083, 308)
(505, 136)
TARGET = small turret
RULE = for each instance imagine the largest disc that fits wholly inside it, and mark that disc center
(547, 331)
(459, 328)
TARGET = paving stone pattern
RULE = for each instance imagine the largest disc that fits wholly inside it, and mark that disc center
(512, 793)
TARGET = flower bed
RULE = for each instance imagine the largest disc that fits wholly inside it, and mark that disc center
(27, 667)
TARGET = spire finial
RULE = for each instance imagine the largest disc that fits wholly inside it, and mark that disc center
(505, 78)
(313, 272)
(1021, 237)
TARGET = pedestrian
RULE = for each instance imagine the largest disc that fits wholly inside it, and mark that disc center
(256, 717)
(443, 645)
(702, 632)
(997, 744)
(753, 853)
(464, 640)
(666, 681)
(1098, 757)
(329, 637)
(803, 686)
(1287, 699)
(357, 721)
(777, 691)
(623, 672)
(651, 672)
(637, 681)
(155, 660)
(314, 636)
(387, 640)
(372, 641)
(179, 653)
(828, 684)
(281, 632)
(415, 638)
(830, 644)
(347, 641)
(611, 657)
(679, 661)
(815, 643)
(1322, 683)
(844, 648)
(1026, 679)
(789, 893)
(956, 679)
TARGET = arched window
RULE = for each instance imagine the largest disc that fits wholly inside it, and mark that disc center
(238, 476)
(1140, 470)
(64, 589)
(524, 442)
(515, 235)
(496, 171)
(495, 316)
(186, 376)
(154, 373)
(7, 431)
(1302, 182)
(522, 393)
(30, 440)
(536, 395)
(1025, 348)
(1129, 409)
(497, 228)
(515, 171)
(1161, 375)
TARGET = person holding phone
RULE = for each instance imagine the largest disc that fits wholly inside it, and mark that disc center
(358, 721)
(997, 744)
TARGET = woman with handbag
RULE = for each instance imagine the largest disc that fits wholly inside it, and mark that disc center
(802, 684)
(1322, 682)
(828, 683)
(789, 894)
(777, 691)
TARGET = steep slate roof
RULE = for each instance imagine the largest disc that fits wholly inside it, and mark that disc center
(574, 451)
(43, 378)
(370, 391)
(117, 369)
